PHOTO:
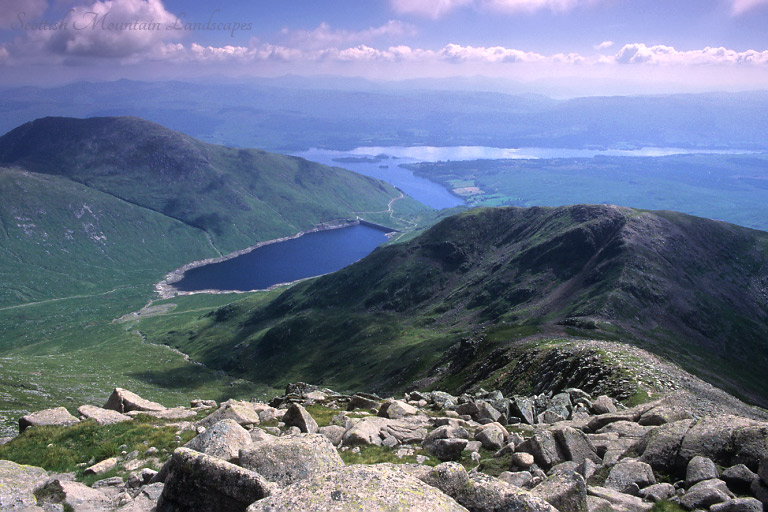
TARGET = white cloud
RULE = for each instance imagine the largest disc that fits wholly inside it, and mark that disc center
(639, 53)
(111, 28)
(437, 8)
(458, 53)
(534, 5)
(20, 11)
(739, 7)
(428, 8)
(324, 36)
(604, 45)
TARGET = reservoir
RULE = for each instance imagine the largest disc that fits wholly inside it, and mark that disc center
(309, 255)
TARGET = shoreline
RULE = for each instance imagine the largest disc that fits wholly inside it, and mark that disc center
(165, 289)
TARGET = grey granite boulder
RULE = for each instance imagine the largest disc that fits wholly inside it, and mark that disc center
(705, 494)
(242, 412)
(626, 473)
(18, 485)
(359, 488)
(448, 449)
(297, 416)
(566, 491)
(663, 444)
(288, 459)
(122, 400)
(58, 416)
(480, 492)
(699, 469)
(396, 409)
(738, 505)
(602, 499)
(223, 440)
(195, 481)
(492, 436)
(102, 416)
(657, 492)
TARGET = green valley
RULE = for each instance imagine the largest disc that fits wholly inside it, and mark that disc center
(473, 297)
(95, 211)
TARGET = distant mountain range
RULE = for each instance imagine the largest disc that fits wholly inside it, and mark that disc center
(467, 299)
(296, 114)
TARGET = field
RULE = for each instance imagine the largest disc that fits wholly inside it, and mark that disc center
(732, 188)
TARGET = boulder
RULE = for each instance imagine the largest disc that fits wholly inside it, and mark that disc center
(751, 444)
(397, 409)
(445, 432)
(195, 481)
(738, 505)
(479, 492)
(79, 497)
(492, 436)
(739, 477)
(522, 460)
(289, 459)
(549, 416)
(657, 492)
(297, 416)
(625, 429)
(575, 445)
(242, 412)
(58, 416)
(517, 478)
(614, 500)
(522, 408)
(196, 403)
(629, 472)
(18, 485)
(365, 432)
(699, 469)
(175, 413)
(334, 433)
(363, 488)
(102, 416)
(223, 440)
(713, 437)
(448, 449)
(259, 435)
(705, 494)
(122, 400)
(566, 491)
(358, 401)
(544, 448)
(603, 405)
(663, 444)
(663, 414)
(146, 500)
(485, 411)
(102, 467)
(411, 429)
(759, 490)
(443, 400)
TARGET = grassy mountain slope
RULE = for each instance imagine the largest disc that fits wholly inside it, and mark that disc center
(94, 211)
(482, 282)
(92, 204)
(237, 196)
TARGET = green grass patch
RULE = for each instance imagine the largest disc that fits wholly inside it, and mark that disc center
(63, 449)
(322, 414)
(666, 506)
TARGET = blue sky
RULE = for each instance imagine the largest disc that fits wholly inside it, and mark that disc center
(592, 45)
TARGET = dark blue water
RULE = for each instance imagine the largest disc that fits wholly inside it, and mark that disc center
(310, 255)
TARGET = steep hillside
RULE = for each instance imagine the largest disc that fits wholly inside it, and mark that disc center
(468, 294)
(92, 204)
(235, 195)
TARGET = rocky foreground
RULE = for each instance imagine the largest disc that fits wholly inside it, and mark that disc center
(569, 452)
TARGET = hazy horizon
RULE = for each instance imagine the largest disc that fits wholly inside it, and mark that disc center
(560, 48)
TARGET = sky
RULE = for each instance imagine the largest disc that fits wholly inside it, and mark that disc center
(586, 46)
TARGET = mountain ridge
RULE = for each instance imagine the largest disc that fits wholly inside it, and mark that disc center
(691, 289)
